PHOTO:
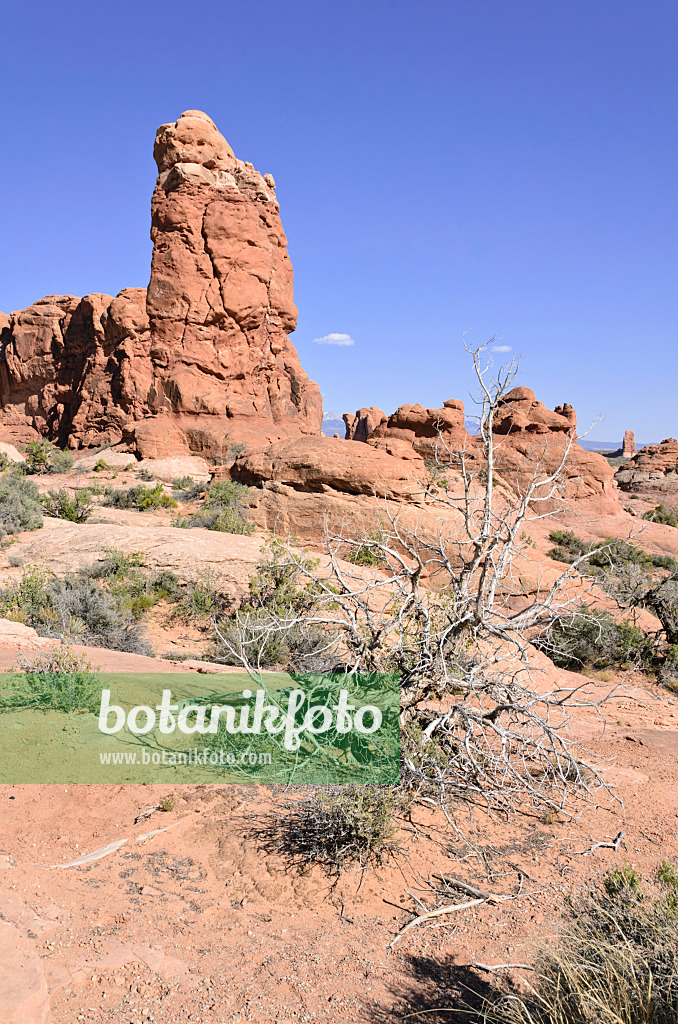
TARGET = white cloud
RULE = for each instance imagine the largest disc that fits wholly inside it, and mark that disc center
(501, 348)
(334, 339)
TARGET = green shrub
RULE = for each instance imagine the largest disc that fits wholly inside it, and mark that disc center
(44, 457)
(101, 465)
(140, 498)
(61, 680)
(616, 961)
(368, 551)
(351, 825)
(614, 554)
(77, 507)
(167, 586)
(593, 638)
(74, 607)
(223, 510)
(661, 514)
(19, 505)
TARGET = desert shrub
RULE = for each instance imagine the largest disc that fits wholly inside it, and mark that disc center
(368, 551)
(615, 554)
(350, 825)
(140, 498)
(26, 599)
(188, 488)
(167, 586)
(61, 680)
(616, 961)
(271, 626)
(19, 505)
(77, 507)
(44, 457)
(223, 510)
(101, 465)
(592, 637)
(108, 622)
(296, 645)
(202, 599)
(661, 514)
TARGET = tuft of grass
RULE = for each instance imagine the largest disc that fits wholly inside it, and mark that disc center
(616, 961)
(61, 680)
(167, 803)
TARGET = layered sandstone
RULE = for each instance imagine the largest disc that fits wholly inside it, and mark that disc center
(204, 354)
(519, 412)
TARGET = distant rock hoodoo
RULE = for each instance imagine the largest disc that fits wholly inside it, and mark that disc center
(629, 446)
(203, 354)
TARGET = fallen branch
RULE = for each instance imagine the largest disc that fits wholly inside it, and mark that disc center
(501, 967)
(451, 909)
(614, 845)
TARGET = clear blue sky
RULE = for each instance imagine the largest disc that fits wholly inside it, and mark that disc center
(499, 167)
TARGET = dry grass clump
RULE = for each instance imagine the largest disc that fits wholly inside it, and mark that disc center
(615, 963)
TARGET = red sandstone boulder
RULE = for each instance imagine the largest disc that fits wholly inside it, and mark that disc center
(329, 464)
(360, 426)
(205, 350)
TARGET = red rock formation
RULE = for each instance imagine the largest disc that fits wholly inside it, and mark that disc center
(360, 426)
(327, 464)
(520, 412)
(653, 470)
(411, 423)
(204, 353)
(629, 447)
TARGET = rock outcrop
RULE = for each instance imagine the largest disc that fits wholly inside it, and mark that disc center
(411, 423)
(653, 470)
(360, 426)
(203, 353)
(629, 445)
(519, 412)
(326, 464)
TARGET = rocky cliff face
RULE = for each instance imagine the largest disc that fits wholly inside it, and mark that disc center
(200, 359)
(652, 471)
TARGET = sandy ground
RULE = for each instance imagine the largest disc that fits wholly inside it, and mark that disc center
(193, 915)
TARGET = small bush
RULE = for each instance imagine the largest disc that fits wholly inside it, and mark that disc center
(224, 510)
(143, 474)
(76, 508)
(661, 514)
(615, 554)
(19, 505)
(368, 552)
(140, 498)
(100, 466)
(61, 680)
(355, 825)
(167, 586)
(592, 638)
(44, 457)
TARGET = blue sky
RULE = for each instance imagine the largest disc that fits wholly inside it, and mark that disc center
(443, 166)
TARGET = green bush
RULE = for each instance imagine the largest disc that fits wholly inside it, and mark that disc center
(223, 510)
(140, 498)
(167, 586)
(593, 638)
(351, 825)
(74, 607)
(77, 507)
(44, 457)
(368, 551)
(615, 554)
(616, 961)
(19, 505)
(101, 466)
(61, 680)
(661, 514)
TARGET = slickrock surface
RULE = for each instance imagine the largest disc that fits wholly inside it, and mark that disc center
(204, 352)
